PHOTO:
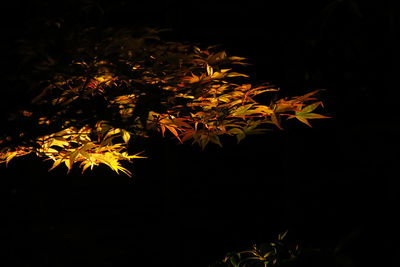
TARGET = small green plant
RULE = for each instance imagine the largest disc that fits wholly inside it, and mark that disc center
(275, 253)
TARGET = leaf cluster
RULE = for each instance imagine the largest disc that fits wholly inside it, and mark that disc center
(275, 253)
(126, 85)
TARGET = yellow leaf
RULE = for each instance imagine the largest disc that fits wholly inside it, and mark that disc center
(86, 164)
(210, 70)
(242, 110)
(86, 147)
(10, 156)
(311, 107)
(103, 127)
(303, 120)
(126, 136)
(58, 141)
(234, 58)
(111, 160)
(124, 170)
(55, 164)
(51, 151)
(236, 74)
(265, 110)
(112, 132)
(72, 157)
(67, 163)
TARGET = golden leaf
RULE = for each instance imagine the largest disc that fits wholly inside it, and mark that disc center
(125, 136)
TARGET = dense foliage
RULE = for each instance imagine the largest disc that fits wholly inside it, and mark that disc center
(120, 85)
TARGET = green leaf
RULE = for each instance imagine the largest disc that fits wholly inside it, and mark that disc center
(310, 107)
(310, 115)
(242, 110)
(305, 114)
(240, 137)
(215, 139)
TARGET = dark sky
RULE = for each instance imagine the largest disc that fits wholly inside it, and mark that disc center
(188, 208)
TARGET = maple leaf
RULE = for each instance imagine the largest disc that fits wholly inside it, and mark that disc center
(190, 87)
(295, 103)
(18, 152)
(217, 57)
(305, 114)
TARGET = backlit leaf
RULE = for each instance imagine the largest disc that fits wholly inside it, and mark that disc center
(56, 163)
(310, 107)
(126, 136)
(215, 139)
(88, 112)
(173, 131)
(10, 156)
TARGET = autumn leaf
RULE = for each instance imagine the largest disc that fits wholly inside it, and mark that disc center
(283, 105)
(210, 70)
(56, 163)
(99, 105)
(236, 74)
(239, 133)
(215, 139)
(242, 110)
(262, 109)
(217, 57)
(58, 141)
(238, 60)
(305, 114)
(126, 136)
(110, 160)
(173, 131)
(307, 96)
(275, 121)
(68, 163)
(10, 156)
(86, 164)
(188, 134)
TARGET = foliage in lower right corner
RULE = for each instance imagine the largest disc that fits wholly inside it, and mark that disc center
(276, 253)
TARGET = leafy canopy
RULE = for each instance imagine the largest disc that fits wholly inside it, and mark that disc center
(120, 86)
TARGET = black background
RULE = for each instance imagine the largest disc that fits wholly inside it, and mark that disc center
(336, 181)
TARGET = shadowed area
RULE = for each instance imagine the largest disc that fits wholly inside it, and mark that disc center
(332, 186)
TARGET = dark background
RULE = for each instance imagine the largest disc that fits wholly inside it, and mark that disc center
(334, 184)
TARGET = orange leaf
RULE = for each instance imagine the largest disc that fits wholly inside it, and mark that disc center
(174, 132)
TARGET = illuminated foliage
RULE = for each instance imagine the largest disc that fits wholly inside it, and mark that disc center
(275, 253)
(123, 86)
